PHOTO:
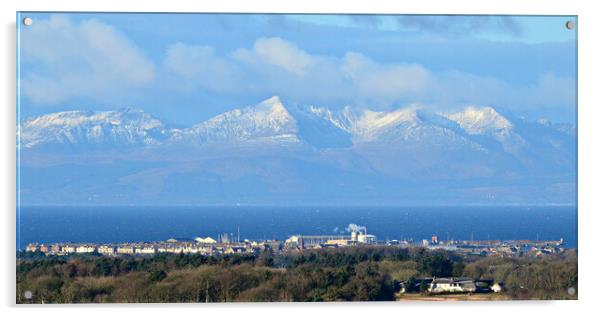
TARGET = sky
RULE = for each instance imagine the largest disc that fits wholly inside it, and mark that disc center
(186, 68)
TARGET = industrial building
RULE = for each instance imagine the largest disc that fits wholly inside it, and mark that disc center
(356, 237)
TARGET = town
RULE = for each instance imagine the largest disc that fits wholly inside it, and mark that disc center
(227, 244)
(434, 284)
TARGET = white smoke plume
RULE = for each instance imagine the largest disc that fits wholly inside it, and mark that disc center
(355, 228)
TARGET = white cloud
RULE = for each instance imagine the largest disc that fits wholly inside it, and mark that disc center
(200, 63)
(85, 59)
(276, 66)
(277, 52)
(553, 89)
(64, 60)
(383, 81)
(188, 60)
(551, 97)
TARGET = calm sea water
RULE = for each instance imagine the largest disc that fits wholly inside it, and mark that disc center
(119, 224)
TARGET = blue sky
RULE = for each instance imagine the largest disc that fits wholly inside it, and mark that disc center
(185, 68)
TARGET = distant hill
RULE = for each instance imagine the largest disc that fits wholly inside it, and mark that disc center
(271, 154)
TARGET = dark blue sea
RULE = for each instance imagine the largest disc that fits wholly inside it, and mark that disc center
(120, 224)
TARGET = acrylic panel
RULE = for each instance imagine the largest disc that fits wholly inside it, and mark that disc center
(205, 157)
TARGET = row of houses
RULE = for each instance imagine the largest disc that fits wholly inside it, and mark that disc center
(59, 248)
(128, 249)
(205, 246)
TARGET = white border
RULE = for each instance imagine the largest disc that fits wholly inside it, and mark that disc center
(589, 23)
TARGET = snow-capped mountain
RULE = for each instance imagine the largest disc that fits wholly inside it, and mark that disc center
(127, 127)
(367, 125)
(479, 121)
(487, 121)
(410, 125)
(275, 154)
(266, 121)
(271, 122)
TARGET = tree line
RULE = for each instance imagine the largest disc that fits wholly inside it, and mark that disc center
(345, 274)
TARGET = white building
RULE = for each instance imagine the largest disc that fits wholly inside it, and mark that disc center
(206, 240)
(106, 250)
(44, 248)
(206, 250)
(55, 248)
(190, 249)
(85, 249)
(125, 250)
(452, 285)
(145, 250)
(357, 236)
(366, 238)
(31, 248)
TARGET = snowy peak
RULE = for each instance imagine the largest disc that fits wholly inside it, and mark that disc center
(268, 120)
(268, 112)
(478, 121)
(127, 116)
(272, 106)
(414, 125)
(123, 127)
(487, 121)
(372, 121)
(404, 124)
(366, 122)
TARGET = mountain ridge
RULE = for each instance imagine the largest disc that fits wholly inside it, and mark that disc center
(269, 120)
(270, 154)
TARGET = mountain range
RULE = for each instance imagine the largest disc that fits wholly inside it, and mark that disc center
(273, 154)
